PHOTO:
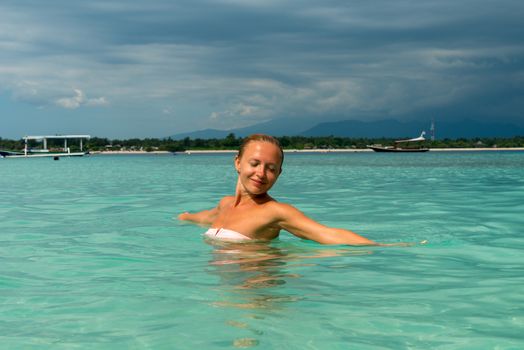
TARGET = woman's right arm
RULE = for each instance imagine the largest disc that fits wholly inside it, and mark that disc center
(204, 217)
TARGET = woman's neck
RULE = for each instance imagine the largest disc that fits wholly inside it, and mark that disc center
(244, 197)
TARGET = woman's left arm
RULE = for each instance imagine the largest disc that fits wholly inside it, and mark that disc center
(294, 221)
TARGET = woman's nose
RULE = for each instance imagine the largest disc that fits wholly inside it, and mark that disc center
(260, 171)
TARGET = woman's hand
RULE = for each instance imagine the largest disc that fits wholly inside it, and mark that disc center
(184, 216)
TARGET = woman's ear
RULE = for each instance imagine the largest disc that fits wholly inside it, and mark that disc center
(237, 164)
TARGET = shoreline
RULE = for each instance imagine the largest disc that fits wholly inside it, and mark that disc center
(127, 152)
(341, 150)
(477, 149)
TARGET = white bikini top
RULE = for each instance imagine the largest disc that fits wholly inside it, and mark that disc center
(225, 234)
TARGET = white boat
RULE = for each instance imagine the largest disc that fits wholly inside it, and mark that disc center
(44, 151)
(403, 145)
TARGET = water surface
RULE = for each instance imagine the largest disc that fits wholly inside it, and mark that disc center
(91, 255)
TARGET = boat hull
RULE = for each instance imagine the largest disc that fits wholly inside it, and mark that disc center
(397, 150)
(5, 154)
(9, 154)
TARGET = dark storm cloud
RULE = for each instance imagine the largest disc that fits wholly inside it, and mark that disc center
(237, 62)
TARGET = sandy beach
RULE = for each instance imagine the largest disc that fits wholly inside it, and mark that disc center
(476, 149)
(342, 150)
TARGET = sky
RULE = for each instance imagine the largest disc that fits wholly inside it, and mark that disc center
(154, 68)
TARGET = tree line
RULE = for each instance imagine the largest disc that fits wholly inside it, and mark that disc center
(233, 142)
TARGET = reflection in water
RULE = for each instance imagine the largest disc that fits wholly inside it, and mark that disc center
(252, 276)
(253, 265)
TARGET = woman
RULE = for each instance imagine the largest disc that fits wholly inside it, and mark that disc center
(252, 214)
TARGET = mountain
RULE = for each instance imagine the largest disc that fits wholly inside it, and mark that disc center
(275, 127)
(396, 129)
(202, 134)
(375, 129)
(388, 128)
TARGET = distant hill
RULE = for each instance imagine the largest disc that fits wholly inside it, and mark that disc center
(394, 128)
(275, 127)
(202, 134)
(388, 128)
(355, 128)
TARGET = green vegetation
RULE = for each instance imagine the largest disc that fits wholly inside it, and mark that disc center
(288, 142)
(11, 144)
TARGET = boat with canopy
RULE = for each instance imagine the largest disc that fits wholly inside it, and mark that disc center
(409, 145)
(44, 151)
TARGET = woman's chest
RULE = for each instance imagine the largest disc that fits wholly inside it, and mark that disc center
(244, 219)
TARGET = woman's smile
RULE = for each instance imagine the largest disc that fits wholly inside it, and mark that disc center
(257, 182)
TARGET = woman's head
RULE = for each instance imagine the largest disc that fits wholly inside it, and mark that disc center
(261, 138)
(259, 163)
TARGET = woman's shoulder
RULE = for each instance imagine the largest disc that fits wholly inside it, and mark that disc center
(227, 200)
(280, 208)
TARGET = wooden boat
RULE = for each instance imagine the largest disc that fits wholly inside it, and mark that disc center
(403, 146)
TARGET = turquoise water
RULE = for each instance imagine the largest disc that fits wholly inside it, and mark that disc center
(92, 257)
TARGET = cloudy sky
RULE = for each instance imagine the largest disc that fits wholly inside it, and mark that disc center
(153, 68)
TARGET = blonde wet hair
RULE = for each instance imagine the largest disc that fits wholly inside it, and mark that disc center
(261, 138)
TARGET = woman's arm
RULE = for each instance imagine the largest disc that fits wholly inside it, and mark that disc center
(204, 217)
(294, 221)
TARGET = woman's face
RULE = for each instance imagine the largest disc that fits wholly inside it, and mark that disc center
(259, 167)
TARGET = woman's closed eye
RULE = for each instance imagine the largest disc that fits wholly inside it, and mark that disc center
(272, 168)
